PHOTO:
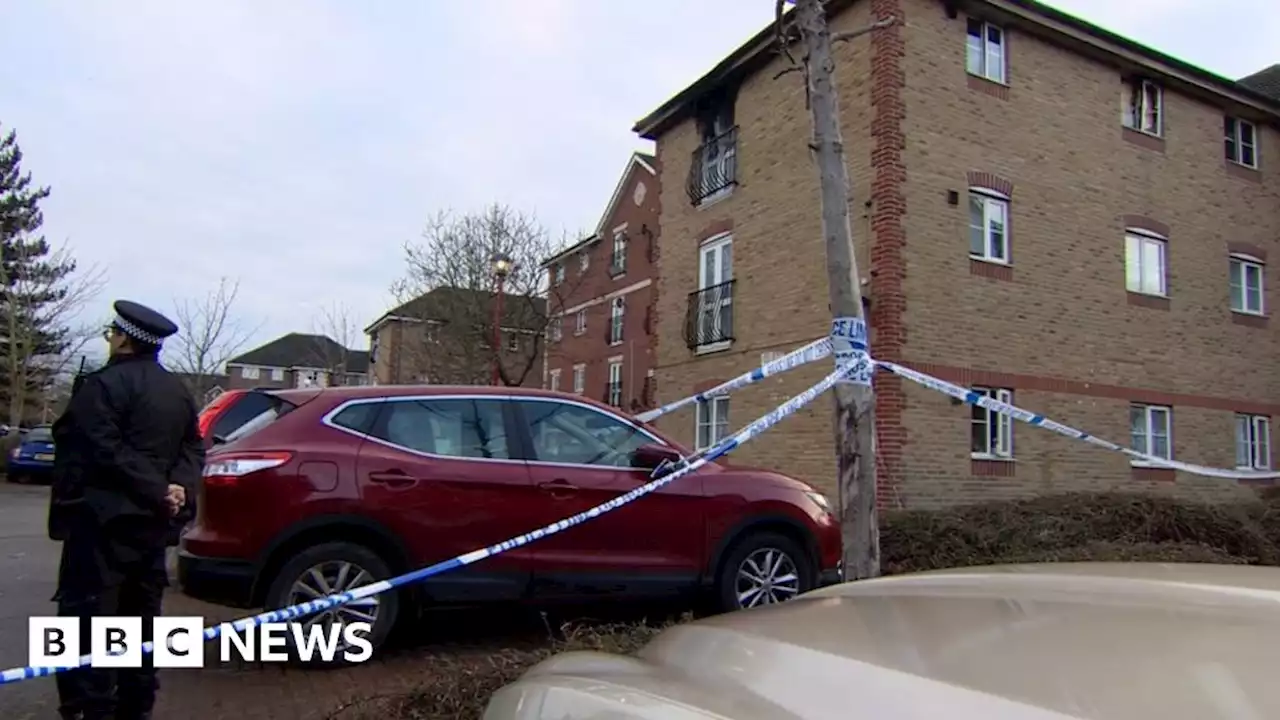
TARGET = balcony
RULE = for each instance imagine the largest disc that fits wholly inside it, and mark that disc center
(714, 170)
(708, 321)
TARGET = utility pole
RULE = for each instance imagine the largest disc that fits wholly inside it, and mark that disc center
(854, 398)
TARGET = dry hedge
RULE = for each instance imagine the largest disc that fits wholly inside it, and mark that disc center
(1098, 527)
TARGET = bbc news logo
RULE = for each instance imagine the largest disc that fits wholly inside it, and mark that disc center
(116, 642)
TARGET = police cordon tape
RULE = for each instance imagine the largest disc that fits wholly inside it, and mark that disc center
(293, 612)
(860, 363)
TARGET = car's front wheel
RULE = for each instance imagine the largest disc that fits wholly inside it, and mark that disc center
(765, 568)
(334, 568)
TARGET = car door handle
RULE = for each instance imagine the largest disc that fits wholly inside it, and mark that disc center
(559, 488)
(392, 479)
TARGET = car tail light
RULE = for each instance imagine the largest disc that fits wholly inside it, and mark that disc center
(215, 407)
(226, 470)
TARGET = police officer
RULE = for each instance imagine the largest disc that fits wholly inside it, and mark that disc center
(128, 459)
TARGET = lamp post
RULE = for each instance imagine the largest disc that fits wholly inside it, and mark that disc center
(501, 266)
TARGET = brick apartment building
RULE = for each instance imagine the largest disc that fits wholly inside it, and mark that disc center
(1041, 209)
(600, 342)
(298, 360)
(445, 337)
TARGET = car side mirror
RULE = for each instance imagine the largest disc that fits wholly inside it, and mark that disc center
(652, 455)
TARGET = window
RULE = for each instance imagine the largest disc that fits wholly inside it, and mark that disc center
(513, 342)
(581, 321)
(1253, 442)
(614, 393)
(579, 378)
(618, 261)
(1241, 143)
(584, 262)
(1246, 284)
(985, 51)
(617, 309)
(573, 434)
(1149, 430)
(992, 432)
(1144, 263)
(557, 329)
(249, 372)
(277, 374)
(559, 273)
(711, 422)
(988, 226)
(713, 302)
(555, 379)
(250, 405)
(463, 428)
(358, 417)
(1143, 107)
(714, 169)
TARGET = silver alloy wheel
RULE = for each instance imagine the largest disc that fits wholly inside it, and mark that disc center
(766, 577)
(328, 578)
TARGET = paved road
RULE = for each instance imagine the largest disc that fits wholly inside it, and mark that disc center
(28, 564)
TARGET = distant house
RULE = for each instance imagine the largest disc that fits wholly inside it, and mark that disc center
(299, 360)
(205, 387)
(446, 337)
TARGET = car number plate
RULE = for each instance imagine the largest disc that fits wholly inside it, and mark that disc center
(44, 457)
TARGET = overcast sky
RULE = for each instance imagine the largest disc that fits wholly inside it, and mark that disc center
(298, 144)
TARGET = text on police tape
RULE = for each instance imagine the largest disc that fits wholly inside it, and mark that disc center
(850, 350)
(116, 642)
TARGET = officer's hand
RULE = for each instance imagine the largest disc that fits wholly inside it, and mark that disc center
(176, 498)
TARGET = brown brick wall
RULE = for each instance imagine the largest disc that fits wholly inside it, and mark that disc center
(1057, 324)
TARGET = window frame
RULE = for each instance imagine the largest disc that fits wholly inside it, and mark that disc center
(989, 198)
(715, 245)
(1233, 141)
(1134, 116)
(1148, 410)
(553, 380)
(617, 320)
(250, 372)
(618, 257)
(557, 329)
(615, 384)
(985, 49)
(1245, 262)
(717, 418)
(584, 262)
(1144, 238)
(1252, 447)
(579, 378)
(580, 322)
(558, 274)
(1004, 425)
(277, 374)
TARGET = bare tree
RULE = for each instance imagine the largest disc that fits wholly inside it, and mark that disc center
(44, 293)
(450, 292)
(209, 334)
(336, 336)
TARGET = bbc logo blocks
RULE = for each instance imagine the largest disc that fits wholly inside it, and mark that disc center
(114, 642)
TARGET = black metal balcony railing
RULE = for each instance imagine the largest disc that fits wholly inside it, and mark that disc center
(714, 167)
(709, 317)
(613, 394)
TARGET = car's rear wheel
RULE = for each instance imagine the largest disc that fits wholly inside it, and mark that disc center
(764, 568)
(333, 568)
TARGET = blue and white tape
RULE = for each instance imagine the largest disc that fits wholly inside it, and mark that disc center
(814, 351)
(849, 346)
(726, 446)
(972, 398)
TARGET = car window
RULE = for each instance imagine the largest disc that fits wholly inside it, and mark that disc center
(40, 434)
(358, 417)
(247, 407)
(579, 435)
(454, 427)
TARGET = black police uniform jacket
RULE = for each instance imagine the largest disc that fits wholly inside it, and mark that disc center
(129, 431)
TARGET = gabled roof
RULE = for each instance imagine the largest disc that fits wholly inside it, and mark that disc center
(443, 304)
(1035, 18)
(304, 350)
(638, 162)
(1266, 82)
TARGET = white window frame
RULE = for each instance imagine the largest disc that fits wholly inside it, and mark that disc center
(615, 383)
(557, 329)
(580, 322)
(513, 342)
(617, 320)
(584, 262)
(1246, 263)
(553, 380)
(277, 374)
(712, 414)
(249, 372)
(714, 246)
(993, 203)
(1150, 413)
(558, 274)
(618, 259)
(1136, 241)
(1256, 441)
(1140, 98)
(1234, 143)
(580, 378)
(1003, 449)
(993, 64)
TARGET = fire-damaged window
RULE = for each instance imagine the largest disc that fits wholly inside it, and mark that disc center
(714, 169)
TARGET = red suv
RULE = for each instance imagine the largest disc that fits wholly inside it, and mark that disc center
(327, 489)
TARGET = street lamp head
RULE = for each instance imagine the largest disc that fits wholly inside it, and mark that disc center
(501, 264)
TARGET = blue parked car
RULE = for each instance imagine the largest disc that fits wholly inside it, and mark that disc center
(32, 460)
